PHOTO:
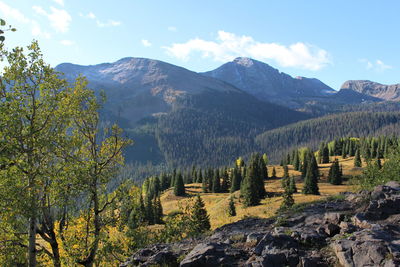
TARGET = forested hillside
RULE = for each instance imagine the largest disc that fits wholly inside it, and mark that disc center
(312, 132)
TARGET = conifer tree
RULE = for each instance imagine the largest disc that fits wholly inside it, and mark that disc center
(248, 188)
(310, 182)
(179, 188)
(199, 216)
(210, 179)
(265, 158)
(225, 181)
(292, 185)
(216, 185)
(357, 159)
(158, 211)
(204, 184)
(335, 176)
(296, 161)
(288, 200)
(231, 208)
(236, 180)
(285, 171)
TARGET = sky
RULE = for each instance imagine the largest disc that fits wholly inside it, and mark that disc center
(333, 41)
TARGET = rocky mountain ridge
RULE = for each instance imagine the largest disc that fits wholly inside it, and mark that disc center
(374, 89)
(356, 229)
(267, 83)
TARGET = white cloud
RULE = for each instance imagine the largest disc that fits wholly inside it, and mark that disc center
(376, 65)
(109, 23)
(67, 42)
(14, 15)
(99, 23)
(89, 15)
(228, 46)
(59, 18)
(146, 43)
(60, 2)
(172, 29)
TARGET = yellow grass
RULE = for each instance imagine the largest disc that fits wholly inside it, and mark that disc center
(217, 203)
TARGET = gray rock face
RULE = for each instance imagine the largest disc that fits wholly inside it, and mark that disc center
(381, 91)
(324, 234)
(268, 83)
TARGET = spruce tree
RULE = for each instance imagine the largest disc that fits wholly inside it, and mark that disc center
(158, 211)
(199, 217)
(236, 180)
(310, 182)
(179, 188)
(231, 208)
(285, 171)
(335, 176)
(357, 159)
(296, 161)
(292, 185)
(204, 184)
(225, 181)
(248, 188)
(216, 186)
(288, 200)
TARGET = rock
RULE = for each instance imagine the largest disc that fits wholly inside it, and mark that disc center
(393, 184)
(333, 217)
(332, 229)
(360, 221)
(206, 254)
(344, 253)
(254, 237)
(383, 208)
(269, 242)
(308, 262)
(312, 237)
(347, 228)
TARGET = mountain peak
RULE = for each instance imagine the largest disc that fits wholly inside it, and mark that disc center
(244, 61)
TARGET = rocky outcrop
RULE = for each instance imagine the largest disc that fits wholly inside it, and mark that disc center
(374, 89)
(363, 229)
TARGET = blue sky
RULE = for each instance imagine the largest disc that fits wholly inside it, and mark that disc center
(333, 41)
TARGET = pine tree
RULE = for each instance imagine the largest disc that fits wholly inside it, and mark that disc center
(248, 188)
(199, 217)
(357, 159)
(296, 161)
(149, 211)
(335, 176)
(288, 200)
(285, 171)
(292, 185)
(225, 181)
(231, 208)
(236, 180)
(179, 188)
(216, 186)
(310, 182)
(158, 211)
(204, 184)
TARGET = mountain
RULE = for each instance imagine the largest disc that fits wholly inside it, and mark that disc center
(267, 83)
(374, 89)
(177, 116)
(140, 87)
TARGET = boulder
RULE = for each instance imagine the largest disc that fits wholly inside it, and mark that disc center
(207, 254)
